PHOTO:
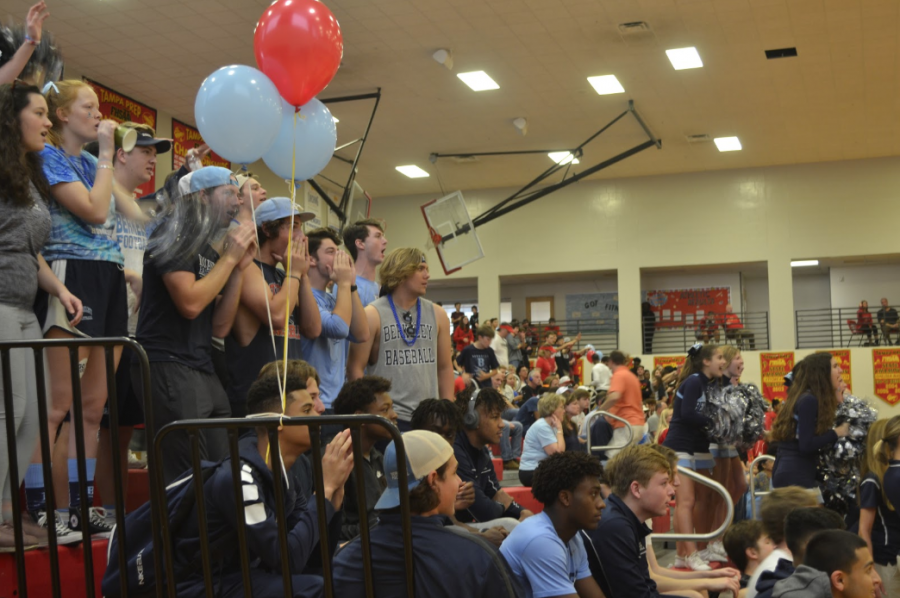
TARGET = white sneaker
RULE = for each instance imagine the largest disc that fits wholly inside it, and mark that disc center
(64, 535)
(718, 548)
(710, 555)
(694, 562)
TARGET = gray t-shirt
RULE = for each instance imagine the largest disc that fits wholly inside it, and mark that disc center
(412, 370)
(23, 233)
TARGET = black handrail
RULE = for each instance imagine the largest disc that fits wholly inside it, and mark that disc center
(830, 327)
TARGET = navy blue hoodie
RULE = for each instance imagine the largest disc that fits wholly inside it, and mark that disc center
(765, 586)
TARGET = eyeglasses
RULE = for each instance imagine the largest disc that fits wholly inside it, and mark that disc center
(409, 329)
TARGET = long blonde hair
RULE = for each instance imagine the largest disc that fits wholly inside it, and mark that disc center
(663, 423)
(61, 100)
(880, 446)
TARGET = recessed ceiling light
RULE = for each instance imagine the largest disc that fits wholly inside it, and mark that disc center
(684, 58)
(563, 157)
(727, 144)
(606, 84)
(478, 81)
(412, 171)
(802, 263)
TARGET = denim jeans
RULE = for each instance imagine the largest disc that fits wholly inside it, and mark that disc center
(511, 439)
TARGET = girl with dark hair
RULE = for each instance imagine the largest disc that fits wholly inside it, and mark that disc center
(24, 229)
(805, 424)
(463, 335)
(687, 437)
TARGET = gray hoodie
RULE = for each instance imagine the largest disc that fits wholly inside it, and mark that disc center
(806, 582)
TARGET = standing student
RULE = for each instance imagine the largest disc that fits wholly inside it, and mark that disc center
(186, 300)
(687, 437)
(366, 243)
(879, 496)
(624, 400)
(271, 292)
(342, 316)
(250, 192)
(25, 225)
(463, 335)
(546, 554)
(85, 255)
(130, 170)
(409, 336)
(367, 396)
(805, 424)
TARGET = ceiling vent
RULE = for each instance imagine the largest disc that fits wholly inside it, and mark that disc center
(781, 53)
(700, 138)
(465, 159)
(636, 33)
(634, 28)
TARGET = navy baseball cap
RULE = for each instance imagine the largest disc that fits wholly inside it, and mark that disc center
(425, 452)
(209, 177)
(277, 208)
(145, 139)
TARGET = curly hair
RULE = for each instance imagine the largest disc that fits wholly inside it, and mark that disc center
(436, 412)
(490, 401)
(811, 376)
(18, 169)
(562, 471)
(359, 394)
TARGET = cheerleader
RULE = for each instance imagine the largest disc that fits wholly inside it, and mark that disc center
(804, 425)
(879, 523)
(687, 437)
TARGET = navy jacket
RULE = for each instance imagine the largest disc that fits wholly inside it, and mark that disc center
(765, 585)
(447, 564)
(797, 458)
(261, 527)
(476, 466)
(687, 430)
(617, 553)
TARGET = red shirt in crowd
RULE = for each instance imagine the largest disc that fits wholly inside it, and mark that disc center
(461, 335)
(733, 322)
(547, 366)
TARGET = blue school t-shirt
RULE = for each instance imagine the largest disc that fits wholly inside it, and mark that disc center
(543, 564)
(539, 435)
(71, 237)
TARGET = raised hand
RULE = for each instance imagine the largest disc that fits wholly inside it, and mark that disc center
(34, 21)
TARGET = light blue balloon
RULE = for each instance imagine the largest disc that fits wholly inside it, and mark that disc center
(314, 139)
(238, 112)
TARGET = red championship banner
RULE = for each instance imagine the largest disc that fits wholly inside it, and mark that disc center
(661, 361)
(121, 108)
(185, 138)
(842, 356)
(886, 366)
(774, 367)
(677, 307)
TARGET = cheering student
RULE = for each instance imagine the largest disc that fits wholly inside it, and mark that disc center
(804, 425)
(25, 224)
(409, 336)
(84, 254)
(271, 292)
(14, 61)
(366, 244)
(687, 437)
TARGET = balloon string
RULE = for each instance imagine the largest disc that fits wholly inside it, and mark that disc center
(287, 304)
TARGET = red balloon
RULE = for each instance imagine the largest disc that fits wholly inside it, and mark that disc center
(298, 45)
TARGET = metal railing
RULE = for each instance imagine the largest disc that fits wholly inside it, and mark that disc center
(234, 426)
(679, 336)
(602, 334)
(587, 427)
(837, 327)
(729, 514)
(72, 345)
(752, 486)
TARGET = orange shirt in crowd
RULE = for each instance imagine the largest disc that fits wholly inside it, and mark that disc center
(630, 406)
(733, 322)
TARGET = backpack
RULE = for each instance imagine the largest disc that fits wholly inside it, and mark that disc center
(140, 557)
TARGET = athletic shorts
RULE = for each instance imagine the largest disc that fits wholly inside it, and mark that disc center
(723, 451)
(131, 412)
(101, 288)
(699, 462)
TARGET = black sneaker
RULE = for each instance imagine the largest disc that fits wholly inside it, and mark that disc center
(99, 525)
(64, 535)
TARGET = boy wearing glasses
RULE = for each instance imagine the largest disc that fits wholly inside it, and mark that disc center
(342, 315)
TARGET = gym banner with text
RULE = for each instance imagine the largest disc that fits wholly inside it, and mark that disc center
(601, 309)
(686, 307)
(185, 138)
(842, 357)
(773, 368)
(661, 361)
(120, 108)
(886, 368)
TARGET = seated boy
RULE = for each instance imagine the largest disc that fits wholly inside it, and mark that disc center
(261, 526)
(837, 564)
(366, 396)
(799, 526)
(446, 564)
(747, 545)
(545, 552)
